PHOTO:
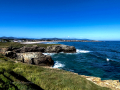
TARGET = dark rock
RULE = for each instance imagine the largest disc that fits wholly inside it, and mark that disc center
(30, 49)
(36, 58)
(53, 49)
(10, 54)
(60, 48)
(12, 48)
(68, 49)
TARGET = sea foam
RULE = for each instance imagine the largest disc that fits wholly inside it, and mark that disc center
(58, 65)
(77, 51)
(82, 51)
(49, 54)
(107, 59)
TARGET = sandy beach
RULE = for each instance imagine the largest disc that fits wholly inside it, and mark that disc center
(37, 42)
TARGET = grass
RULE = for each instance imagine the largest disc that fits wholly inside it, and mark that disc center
(18, 45)
(22, 76)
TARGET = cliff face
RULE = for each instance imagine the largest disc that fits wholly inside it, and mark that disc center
(36, 58)
(29, 49)
(60, 48)
(33, 54)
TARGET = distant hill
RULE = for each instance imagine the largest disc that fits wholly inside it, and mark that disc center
(74, 39)
(4, 37)
(51, 39)
(14, 38)
(63, 39)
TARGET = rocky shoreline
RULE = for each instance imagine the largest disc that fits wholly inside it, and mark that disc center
(34, 55)
(112, 84)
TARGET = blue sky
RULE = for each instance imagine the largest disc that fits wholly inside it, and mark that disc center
(91, 19)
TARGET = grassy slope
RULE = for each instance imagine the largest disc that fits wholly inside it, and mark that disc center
(11, 74)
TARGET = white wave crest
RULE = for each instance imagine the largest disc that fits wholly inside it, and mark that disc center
(107, 59)
(82, 51)
(49, 54)
(58, 64)
(79, 51)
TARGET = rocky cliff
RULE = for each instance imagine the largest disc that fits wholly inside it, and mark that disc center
(60, 48)
(33, 54)
(36, 58)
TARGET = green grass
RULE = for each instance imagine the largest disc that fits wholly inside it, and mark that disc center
(12, 74)
(18, 45)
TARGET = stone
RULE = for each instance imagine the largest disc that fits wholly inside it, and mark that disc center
(3, 50)
(60, 48)
(54, 49)
(113, 84)
(36, 58)
(30, 49)
(68, 49)
(10, 54)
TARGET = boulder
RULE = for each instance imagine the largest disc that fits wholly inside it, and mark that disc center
(10, 54)
(68, 49)
(36, 58)
(54, 49)
(60, 48)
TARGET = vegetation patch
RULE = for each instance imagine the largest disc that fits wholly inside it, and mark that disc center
(22, 76)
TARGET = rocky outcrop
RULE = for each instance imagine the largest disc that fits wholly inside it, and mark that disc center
(36, 58)
(29, 49)
(68, 49)
(33, 54)
(10, 54)
(60, 48)
(3, 50)
(35, 48)
(113, 84)
(53, 49)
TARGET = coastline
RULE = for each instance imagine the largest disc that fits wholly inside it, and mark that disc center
(112, 84)
(54, 41)
(36, 42)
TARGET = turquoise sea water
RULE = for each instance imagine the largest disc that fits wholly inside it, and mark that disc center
(99, 59)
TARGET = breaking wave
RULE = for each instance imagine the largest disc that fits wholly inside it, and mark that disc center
(58, 64)
(49, 54)
(82, 51)
(107, 59)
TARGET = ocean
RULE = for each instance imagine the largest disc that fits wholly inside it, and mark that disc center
(99, 59)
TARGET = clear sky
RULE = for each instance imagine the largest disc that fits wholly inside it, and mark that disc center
(91, 19)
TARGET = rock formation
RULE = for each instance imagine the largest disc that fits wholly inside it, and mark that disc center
(49, 49)
(113, 84)
(36, 58)
(68, 49)
(10, 54)
(29, 49)
(60, 48)
(33, 54)
(3, 50)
